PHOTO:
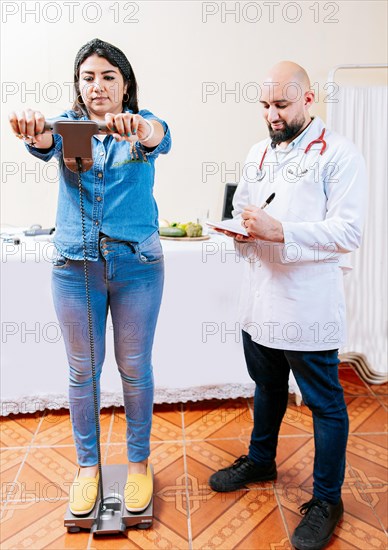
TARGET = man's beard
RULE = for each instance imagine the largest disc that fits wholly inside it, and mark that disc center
(287, 133)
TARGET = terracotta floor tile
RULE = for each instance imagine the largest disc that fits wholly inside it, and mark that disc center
(35, 525)
(377, 497)
(297, 420)
(366, 415)
(162, 455)
(163, 429)
(288, 445)
(69, 453)
(115, 542)
(269, 533)
(118, 427)
(365, 471)
(46, 474)
(158, 536)
(172, 412)
(352, 383)
(243, 520)
(219, 452)
(210, 409)
(165, 456)
(170, 498)
(10, 464)
(237, 427)
(296, 469)
(73, 541)
(56, 428)
(370, 447)
(383, 399)
(214, 419)
(379, 389)
(18, 430)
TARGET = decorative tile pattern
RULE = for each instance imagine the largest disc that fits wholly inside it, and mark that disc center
(189, 442)
(18, 430)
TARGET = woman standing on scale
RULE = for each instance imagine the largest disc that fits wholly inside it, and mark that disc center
(125, 258)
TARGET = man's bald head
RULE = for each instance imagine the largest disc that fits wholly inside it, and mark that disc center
(287, 72)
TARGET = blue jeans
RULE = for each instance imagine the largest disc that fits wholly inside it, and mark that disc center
(128, 279)
(316, 373)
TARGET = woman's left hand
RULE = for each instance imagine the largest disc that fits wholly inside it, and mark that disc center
(128, 127)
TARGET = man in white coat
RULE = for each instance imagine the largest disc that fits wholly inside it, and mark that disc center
(292, 308)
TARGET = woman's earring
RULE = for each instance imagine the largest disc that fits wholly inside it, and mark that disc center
(125, 100)
(78, 98)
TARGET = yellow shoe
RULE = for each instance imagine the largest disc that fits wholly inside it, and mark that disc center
(83, 495)
(138, 491)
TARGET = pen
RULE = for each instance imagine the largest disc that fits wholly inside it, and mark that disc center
(270, 199)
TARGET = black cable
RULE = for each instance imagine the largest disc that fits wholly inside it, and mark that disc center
(90, 331)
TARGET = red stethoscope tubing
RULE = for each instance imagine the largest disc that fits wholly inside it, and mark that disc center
(316, 141)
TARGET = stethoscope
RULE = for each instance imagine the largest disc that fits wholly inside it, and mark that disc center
(261, 173)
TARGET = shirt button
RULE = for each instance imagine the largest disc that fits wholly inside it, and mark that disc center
(102, 154)
(99, 199)
(100, 174)
(96, 223)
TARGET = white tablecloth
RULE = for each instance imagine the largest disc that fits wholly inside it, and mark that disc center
(197, 351)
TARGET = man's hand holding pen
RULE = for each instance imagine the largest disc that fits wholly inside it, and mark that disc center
(260, 225)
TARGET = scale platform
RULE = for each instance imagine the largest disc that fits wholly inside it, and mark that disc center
(116, 518)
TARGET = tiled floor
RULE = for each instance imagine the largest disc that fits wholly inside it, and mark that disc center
(189, 442)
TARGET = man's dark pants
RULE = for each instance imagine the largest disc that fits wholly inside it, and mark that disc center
(316, 373)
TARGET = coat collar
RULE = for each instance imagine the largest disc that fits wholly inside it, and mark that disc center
(312, 132)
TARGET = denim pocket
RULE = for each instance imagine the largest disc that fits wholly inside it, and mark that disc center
(60, 261)
(151, 251)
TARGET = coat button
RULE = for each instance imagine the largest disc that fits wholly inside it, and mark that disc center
(100, 175)
(99, 199)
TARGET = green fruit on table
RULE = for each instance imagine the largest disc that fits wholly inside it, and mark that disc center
(193, 230)
(182, 226)
(171, 232)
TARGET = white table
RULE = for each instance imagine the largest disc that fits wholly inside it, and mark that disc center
(197, 351)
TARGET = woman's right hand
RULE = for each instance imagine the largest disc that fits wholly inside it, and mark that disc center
(29, 126)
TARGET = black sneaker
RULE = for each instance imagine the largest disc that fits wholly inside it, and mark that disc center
(316, 528)
(242, 471)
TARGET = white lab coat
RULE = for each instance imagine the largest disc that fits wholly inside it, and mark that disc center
(292, 293)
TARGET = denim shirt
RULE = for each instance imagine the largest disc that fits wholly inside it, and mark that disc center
(117, 193)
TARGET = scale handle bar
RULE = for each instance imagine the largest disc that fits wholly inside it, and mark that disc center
(51, 126)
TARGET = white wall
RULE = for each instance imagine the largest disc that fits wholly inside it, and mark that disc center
(173, 52)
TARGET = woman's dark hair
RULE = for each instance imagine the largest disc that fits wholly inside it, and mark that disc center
(116, 58)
